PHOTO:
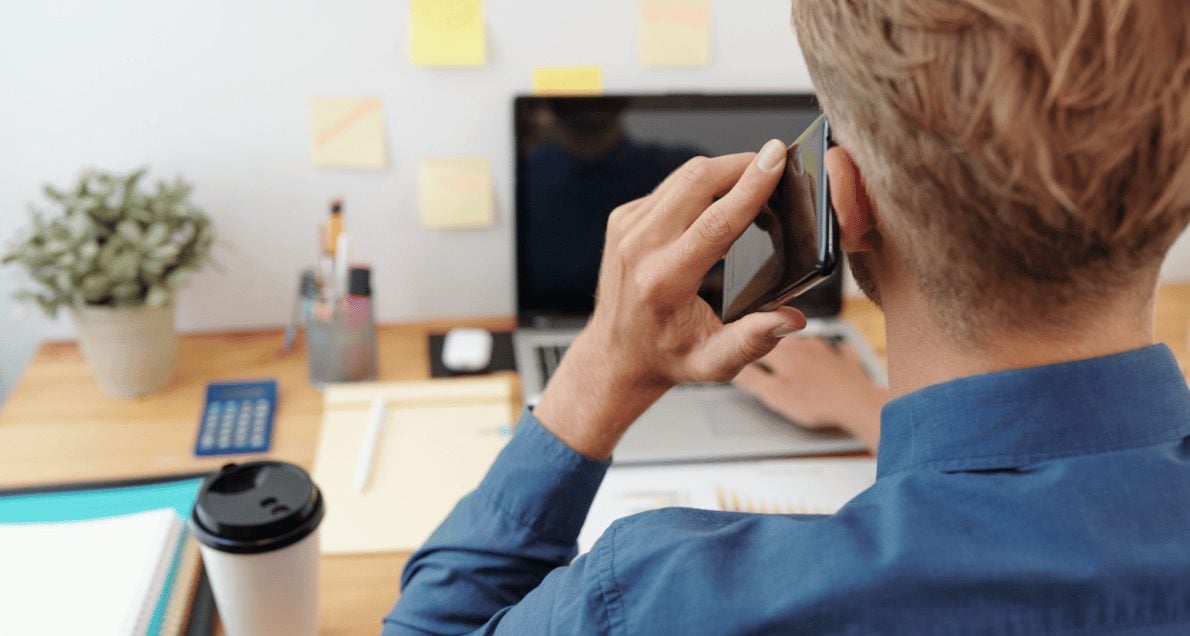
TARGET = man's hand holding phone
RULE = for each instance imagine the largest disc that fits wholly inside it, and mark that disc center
(650, 331)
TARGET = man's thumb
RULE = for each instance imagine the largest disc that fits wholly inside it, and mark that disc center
(747, 340)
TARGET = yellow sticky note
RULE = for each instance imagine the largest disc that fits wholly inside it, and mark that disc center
(347, 132)
(675, 32)
(455, 192)
(447, 33)
(568, 80)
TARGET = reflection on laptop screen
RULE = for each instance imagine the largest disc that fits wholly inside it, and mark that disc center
(578, 158)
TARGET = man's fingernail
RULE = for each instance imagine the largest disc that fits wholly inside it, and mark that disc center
(771, 155)
(783, 330)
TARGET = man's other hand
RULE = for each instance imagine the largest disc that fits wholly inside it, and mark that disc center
(817, 385)
(650, 330)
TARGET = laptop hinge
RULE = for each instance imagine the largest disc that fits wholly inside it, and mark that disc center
(552, 321)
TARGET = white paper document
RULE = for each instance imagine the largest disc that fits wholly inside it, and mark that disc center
(786, 486)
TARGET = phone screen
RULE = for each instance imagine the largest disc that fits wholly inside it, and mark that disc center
(791, 244)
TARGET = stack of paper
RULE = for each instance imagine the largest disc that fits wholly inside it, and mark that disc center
(100, 576)
(788, 486)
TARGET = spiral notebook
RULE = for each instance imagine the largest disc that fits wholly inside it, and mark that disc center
(184, 602)
(98, 576)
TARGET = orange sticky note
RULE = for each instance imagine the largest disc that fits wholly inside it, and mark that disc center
(347, 132)
(568, 80)
(447, 33)
(455, 192)
(675, 32)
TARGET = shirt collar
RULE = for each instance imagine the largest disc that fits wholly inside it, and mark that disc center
(1009, 418)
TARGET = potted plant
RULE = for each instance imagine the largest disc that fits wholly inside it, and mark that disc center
(114, 254)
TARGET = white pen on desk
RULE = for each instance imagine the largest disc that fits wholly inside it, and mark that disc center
(367, 451)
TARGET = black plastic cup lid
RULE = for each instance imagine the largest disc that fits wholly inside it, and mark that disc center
(256, 507)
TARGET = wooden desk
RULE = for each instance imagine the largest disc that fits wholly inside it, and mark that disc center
(57, 426)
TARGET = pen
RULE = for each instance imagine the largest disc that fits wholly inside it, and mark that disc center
(367, 451)
(334, 226)
(294, 318)
(303, 308)
(342, 245)
(325, 309)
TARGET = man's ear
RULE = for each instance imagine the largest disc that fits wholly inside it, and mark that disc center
(857, 218)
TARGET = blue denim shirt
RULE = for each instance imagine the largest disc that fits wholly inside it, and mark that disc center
(1048, 500)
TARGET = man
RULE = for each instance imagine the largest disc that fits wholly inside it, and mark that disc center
(1008, 177)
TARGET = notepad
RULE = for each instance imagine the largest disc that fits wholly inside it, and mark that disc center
(447, 33)
(347, 132)
(675, 33)
(455, 192)
(568, 80)
(437, 443)
(100, 576)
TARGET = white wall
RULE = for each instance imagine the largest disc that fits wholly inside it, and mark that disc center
(216, 91)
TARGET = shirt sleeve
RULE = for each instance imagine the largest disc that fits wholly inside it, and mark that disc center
(516, 534)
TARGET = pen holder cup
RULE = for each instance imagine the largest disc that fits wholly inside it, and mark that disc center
(342, 347)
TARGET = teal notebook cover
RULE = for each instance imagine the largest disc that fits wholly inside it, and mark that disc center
(93, 503)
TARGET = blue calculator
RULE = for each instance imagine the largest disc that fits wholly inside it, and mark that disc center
(237, 418)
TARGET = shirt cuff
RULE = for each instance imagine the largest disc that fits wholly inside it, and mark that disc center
(542, 483)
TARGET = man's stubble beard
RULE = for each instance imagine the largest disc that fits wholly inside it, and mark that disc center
(861, 271)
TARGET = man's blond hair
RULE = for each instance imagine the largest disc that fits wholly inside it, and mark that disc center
(1022, 153)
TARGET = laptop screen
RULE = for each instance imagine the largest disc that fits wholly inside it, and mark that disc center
(577, 158)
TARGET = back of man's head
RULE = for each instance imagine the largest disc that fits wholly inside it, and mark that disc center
(1020, 153)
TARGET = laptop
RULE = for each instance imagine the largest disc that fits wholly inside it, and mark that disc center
(577, 158)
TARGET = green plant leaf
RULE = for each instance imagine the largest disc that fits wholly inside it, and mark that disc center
(124, 266)
(156, 234)
(63, 281)
(95, 286)
(131, 231)
(48, 304)
(81, 226)
(55, 195)
(157, 296)
(88, 250)
(167, 253)
(177, 278)
(151, 270)
(128, 290)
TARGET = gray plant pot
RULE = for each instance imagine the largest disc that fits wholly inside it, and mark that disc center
(130, 350)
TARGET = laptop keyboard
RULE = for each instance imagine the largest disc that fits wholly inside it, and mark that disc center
(548, 358)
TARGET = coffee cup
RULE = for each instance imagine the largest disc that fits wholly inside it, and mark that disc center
(257, 526)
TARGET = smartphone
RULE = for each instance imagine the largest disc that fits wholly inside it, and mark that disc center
(793, 243)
